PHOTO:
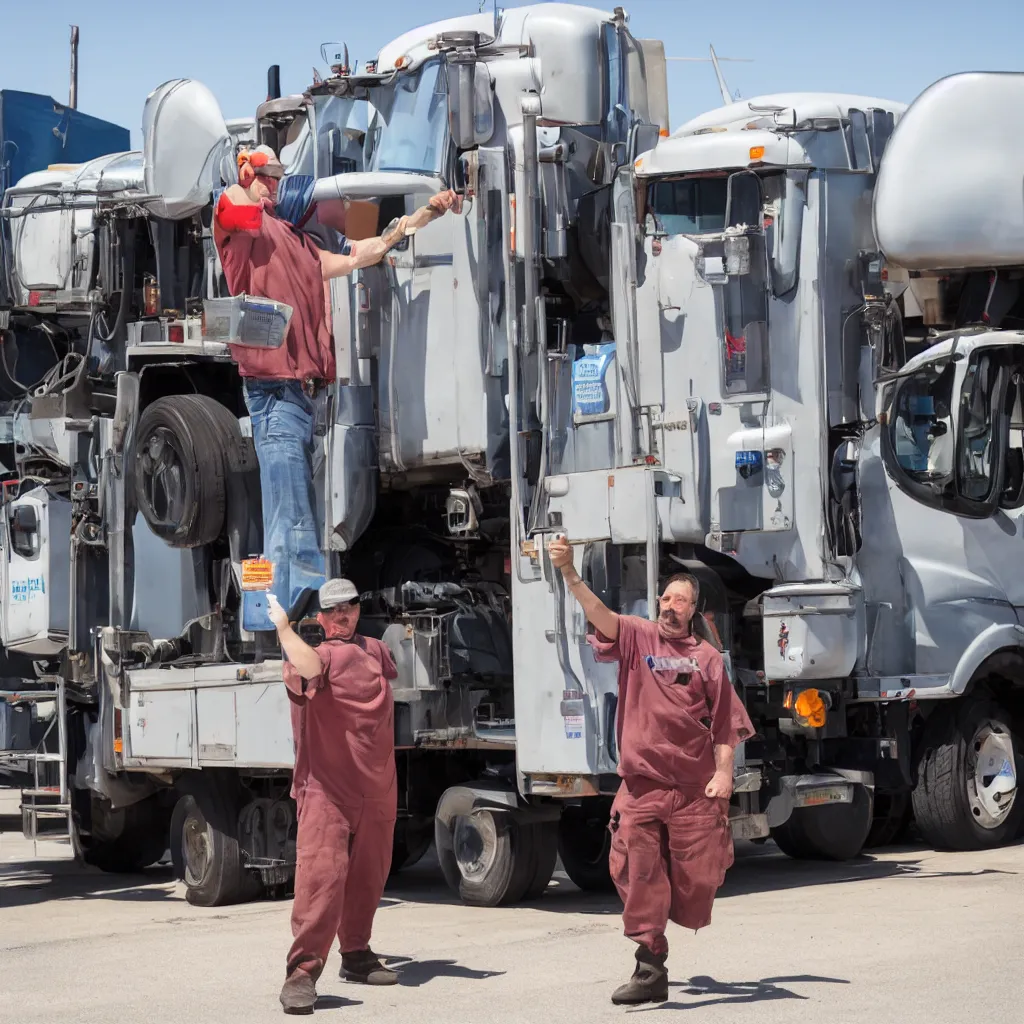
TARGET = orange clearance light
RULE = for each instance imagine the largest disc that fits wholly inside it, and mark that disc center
(257, 574)
(663, 133)
(757, 152)
(809, 709)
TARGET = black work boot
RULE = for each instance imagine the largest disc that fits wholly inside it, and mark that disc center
(299, 993)
(649, 983)
(365, 967)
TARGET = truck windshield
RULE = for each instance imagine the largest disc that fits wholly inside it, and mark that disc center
(412, 130)
(688, 206)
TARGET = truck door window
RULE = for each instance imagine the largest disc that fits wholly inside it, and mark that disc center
(976, 442)
(616, 115)
(688, 206)
(745, 295)
(921, 429)
(954, 447)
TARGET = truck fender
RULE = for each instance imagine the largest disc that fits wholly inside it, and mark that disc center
(1008, 637)
(459, 801)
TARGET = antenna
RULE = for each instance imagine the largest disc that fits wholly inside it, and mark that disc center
(714, 59)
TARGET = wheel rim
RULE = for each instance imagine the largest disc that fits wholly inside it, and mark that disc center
(165, 483)
(475, 841)
(992, 780)
(196, 847)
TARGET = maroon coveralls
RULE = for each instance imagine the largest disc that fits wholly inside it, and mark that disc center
(345, 789)
(671, 844)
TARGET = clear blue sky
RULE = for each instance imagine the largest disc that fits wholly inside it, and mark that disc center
(892, 50)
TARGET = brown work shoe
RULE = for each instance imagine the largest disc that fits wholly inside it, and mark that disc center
(298, 995)
(364, 966)
(649, 983)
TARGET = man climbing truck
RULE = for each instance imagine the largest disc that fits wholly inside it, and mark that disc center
(627, 343)
(284, 386)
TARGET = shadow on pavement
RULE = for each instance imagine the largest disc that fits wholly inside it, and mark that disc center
(414, 973)
(757, 869)
(735, 992)
(335, 1002)
(43, 881)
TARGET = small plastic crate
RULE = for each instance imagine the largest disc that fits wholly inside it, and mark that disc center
(246, 320)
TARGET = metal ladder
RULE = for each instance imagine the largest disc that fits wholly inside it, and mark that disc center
(46, 805)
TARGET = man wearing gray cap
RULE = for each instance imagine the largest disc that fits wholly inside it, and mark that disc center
(345, 789)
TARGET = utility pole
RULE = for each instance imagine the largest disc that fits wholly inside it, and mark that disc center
(73, 98)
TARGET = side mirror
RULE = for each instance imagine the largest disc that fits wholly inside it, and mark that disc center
(470, 103)
(24, 531)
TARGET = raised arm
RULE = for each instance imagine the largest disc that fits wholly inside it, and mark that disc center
(303, 658)
(372, 250)
(597, 612)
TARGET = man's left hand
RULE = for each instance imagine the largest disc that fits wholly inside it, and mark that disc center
(720, 786)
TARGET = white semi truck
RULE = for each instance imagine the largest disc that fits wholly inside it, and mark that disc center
(628, 343)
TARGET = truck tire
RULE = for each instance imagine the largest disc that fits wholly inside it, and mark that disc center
(542, 839)
(205, 851)
(584, 843)
(968, 753)
(181, 467)
(413, 837)
(891, 819)
(125, 840)
(832, 832)
(486, 857)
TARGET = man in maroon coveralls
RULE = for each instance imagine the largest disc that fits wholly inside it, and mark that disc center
(679, 722)
(345, 789)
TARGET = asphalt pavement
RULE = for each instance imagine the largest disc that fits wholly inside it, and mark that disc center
(907, 936)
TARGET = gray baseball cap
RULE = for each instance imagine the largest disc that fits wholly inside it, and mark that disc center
(335, 592)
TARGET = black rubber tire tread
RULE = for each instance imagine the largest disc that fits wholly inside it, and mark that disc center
(941, 809)
(227, 881)
(208, 437)
(500, 885)
(544, 856)
(833, 832)
(410, 844)
(141, 843)
(891, 819)
(585, 871)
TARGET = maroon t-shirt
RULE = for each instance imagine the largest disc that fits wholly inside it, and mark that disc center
(343, 725)
(675, 705)
(281, 263)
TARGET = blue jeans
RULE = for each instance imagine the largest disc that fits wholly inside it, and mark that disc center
(282, 431)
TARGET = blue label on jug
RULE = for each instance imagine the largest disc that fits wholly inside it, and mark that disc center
(589, 388)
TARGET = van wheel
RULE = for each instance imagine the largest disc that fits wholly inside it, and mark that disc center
(184, 444)
(206, 854)
(970, 761)
(831, 832)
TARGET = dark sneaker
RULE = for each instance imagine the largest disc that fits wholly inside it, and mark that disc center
(649, 983)
(299, 993)
(365, 967)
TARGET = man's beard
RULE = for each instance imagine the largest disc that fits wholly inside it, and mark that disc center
(671, 626)
(334, 629)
